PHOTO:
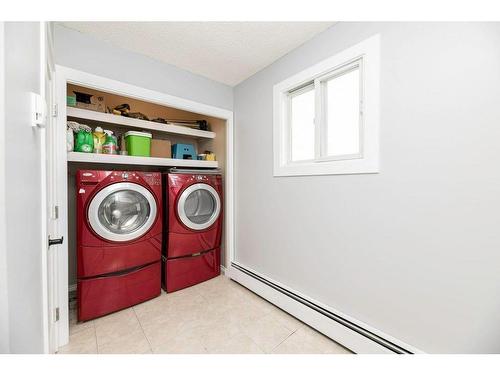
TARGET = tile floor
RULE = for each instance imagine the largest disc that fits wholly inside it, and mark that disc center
(218, 316)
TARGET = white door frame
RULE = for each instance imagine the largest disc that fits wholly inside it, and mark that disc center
(4, 309)
(47, 91)
(66, 75)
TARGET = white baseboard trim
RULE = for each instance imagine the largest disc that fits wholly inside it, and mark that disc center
(358, 342)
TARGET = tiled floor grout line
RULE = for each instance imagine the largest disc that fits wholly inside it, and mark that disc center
(143, 331)
(95, 336)
(286, 338)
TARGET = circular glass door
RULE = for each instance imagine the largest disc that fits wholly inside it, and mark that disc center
(122, 212)
(199, 206)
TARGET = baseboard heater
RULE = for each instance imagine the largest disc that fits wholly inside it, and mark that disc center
(346, 323)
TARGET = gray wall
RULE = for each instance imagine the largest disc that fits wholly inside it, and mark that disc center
(83, 52)
(22, 177)
(414, 250)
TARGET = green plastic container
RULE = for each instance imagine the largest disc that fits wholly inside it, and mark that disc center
(71, 100)
(138, 143)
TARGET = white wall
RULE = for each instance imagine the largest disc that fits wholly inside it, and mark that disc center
(22, 196)
(414, 250)
(4, 297)
(83, 52)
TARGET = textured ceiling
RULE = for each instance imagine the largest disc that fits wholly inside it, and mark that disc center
(227, 52)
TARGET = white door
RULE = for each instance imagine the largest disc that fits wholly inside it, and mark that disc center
(52, 214)
(25, 205)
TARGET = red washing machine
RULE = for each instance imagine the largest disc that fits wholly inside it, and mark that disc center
(119, 240)
(194, 227)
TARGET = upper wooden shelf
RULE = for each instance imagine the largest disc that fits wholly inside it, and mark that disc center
(109, 118)
(83, 157)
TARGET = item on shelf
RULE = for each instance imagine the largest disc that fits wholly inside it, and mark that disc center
(207, 155)
(138, 143)
(72, 128)
(83, 139)
(99, 138)
(71, 100)
(90, 102)
(121, 109)
(70, 139)
(160, 120)
(183, 151)
(161, 148)
(110, 145)
(122, 145)
(137, 115)
(194, 124)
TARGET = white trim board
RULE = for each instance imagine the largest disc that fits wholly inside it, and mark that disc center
(4, 298)
(338, 332)
(139, 160)
(66, 75)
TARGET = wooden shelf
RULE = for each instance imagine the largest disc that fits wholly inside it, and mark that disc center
(83, 157)
(85, 114)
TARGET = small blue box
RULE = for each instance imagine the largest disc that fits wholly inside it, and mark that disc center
(183, 151)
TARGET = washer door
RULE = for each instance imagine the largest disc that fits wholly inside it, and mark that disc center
(199, 206)
(122, 212)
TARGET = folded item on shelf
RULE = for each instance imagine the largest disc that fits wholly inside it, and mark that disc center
(137, 115)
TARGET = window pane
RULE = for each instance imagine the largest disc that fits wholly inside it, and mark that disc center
(302, 126)
(343, 114)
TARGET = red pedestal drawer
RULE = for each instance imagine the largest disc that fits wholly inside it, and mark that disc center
(103, 295)
(183, 272)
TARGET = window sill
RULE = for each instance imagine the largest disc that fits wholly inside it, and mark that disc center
(318, 168)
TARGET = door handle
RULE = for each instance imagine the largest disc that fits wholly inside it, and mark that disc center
(56, 241)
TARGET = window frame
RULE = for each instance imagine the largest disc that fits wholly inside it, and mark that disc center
(363, 56)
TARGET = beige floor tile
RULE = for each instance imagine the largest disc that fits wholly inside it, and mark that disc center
(286, 319)
(135, 343)
(75, 326)
(187, 341)
(155, 311)
(113, 327)
(177, 326)
(237, 344)
(308, 341)
(83, 342)
(266, 332)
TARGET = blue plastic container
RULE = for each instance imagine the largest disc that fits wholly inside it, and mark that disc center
(183, 151)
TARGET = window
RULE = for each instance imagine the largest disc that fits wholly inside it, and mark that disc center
(326, 117)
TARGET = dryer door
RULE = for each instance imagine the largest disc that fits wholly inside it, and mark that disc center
(122, 212)
(199, 206)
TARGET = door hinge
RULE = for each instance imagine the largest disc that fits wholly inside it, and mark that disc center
(56, 212)
(54, 110)
(56, 314)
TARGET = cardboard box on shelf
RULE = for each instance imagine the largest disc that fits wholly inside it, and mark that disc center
(161, 148)
(97, 102)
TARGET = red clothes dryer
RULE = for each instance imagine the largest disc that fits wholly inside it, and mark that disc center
(119, 239)
(194, 227)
